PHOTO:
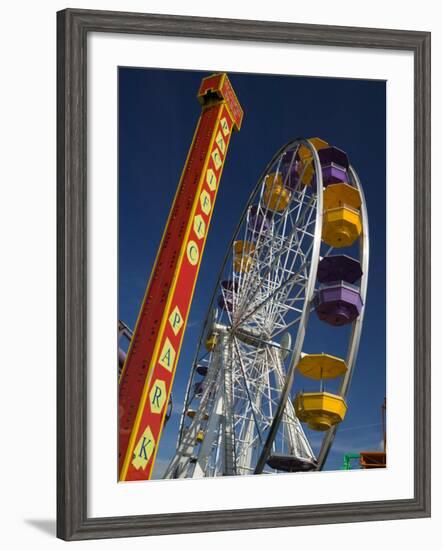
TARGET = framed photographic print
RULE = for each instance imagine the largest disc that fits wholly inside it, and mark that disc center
(243, 274)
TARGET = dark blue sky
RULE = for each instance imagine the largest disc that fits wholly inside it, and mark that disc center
(158, 112)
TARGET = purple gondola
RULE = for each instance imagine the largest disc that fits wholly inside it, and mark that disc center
(334, 163)
(339, 268)
(259, 221)
(287, 160)
(202, 369)
(338, 304)
(292, 181)
(333, 173)
(198, 388)
(225, 303)
(290, 170)
(333, 154)
(229, 285)
(225, 298)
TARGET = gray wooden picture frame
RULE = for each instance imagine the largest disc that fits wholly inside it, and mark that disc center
(73, 27)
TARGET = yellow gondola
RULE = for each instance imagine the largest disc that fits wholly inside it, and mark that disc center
(191, 414)
(318, 143)
(242, 264)
(321, 366)
(276, 196)
(320, 410)
(305, 168)
(341, 226)
(211, 342)
(341, 194)
(243, 247)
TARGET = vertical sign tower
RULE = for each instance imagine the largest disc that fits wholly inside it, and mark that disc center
(148, 372)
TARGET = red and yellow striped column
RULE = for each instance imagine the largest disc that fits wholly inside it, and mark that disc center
(147, 377)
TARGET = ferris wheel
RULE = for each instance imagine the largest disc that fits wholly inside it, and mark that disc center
(301, 248)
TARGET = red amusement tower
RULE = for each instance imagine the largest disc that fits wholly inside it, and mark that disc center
(148, 372)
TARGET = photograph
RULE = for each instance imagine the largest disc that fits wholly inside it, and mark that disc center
(217, 306)
(251, 274)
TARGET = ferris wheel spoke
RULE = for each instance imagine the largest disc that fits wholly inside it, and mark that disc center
(298, 252)
(271, 245)
(289, 283)
(293, 279)
(245, 381)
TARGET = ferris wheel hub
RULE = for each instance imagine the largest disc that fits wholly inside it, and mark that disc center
(251, 336)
